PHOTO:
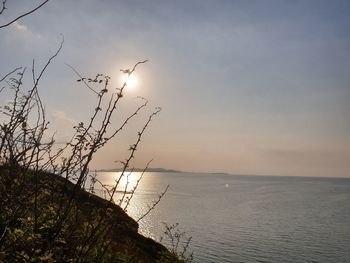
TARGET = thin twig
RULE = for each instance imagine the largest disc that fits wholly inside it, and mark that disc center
(136, 185)
(153, 205)
(3, 6)
(25, 14)
(81, 77)
(3, 233)
(133, 148)
(8, 74)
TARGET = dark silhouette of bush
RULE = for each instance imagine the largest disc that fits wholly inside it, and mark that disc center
(46, 215)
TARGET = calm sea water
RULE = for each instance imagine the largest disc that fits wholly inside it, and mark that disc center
(249, 218)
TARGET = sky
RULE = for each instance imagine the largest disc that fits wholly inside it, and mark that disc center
(246, 87)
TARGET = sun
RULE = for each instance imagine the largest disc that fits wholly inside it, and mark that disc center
(130, 80)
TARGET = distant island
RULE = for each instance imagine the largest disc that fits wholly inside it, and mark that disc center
(153, 170)
(157, 170)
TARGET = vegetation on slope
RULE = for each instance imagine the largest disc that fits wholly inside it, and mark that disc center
(95, 231)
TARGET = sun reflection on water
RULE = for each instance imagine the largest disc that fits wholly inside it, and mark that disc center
(142, 193)
(129, 184)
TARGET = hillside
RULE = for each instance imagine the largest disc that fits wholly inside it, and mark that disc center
(94, 228)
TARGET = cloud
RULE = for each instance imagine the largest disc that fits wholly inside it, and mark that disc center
(20, 27)
(25, 31)
(61, 115)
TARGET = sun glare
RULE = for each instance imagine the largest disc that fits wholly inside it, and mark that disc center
(128, 181)
(131, 81)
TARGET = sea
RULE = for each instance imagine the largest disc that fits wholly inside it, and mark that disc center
(233, 218)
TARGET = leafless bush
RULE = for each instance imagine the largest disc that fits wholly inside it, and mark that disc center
(178, 243)
(42, 187)
(49, 211)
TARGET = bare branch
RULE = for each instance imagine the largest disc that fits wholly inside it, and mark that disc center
(23, 15)
(3, 233)
(3, 6)
(133, 149)
(138, 63)
(49, 61)
(155, 203)
(177, 237)
(136, 185)
(81, 77)
(8, 74)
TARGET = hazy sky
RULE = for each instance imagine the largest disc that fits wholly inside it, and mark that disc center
(246, 87)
